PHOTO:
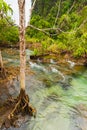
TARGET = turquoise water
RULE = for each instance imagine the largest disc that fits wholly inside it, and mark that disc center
(60, 103)
(59, 93)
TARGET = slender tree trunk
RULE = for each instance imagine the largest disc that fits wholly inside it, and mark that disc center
(2, 69)
(1, 62)
(21, 4)
(22, 104)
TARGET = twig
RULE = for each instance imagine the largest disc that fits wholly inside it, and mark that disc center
(57, 13)
(84, 21)
(71, 7)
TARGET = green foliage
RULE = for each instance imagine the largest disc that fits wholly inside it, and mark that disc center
(72, 20)
(38, 22)
(36, 52)
(43, 7)
(4, 8)
(79, 52)
(8, 34)
(62, 46)
(53, 48)
(46, 43)
(31, 40)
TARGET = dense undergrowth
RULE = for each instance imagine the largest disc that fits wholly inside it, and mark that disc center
(8, 32)
(68, 22)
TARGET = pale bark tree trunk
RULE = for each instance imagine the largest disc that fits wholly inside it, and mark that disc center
(1, 62)
(21, 4)
(22, 104)
(2, 69)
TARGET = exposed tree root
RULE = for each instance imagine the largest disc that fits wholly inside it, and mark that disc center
(22, 106)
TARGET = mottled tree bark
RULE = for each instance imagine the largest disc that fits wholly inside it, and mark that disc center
(2, 69)
(21, 4)
(22, 104)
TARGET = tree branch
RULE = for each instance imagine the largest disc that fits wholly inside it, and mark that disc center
(71, 7)
(32, 7)
(48, 29)
(33, 4)
(39, 29)
(57, 13)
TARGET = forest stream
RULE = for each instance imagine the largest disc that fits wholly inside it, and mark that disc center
(57, 91)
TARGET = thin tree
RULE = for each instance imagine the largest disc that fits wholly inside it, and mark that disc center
(21, 4)
(22, 104)
(4, 9)
(2, 69)
(23, 99)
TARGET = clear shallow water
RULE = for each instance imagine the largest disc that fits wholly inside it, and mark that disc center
(57, 100)
(59, 93)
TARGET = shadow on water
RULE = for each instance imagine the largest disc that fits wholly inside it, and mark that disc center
(59, 95)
